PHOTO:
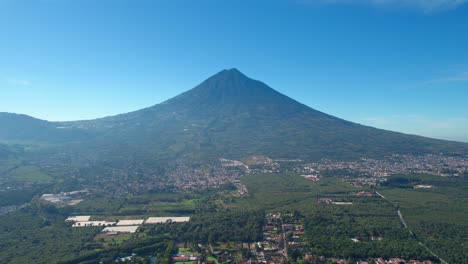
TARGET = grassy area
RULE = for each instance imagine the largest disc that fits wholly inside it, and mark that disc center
(112, 240)
(29, 174)
(280, 191)
(134, 207)
(444, 203)
(175, 207)
(186, 251)
(164, 204)
(213, 259)
(99, 206)
(229, 246)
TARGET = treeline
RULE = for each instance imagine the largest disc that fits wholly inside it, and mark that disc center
(449, 241)
(162, 247)
(38, 234)
(20, 196)
(223, 226)
(376, 236)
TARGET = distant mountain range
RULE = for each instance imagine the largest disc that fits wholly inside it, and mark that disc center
(228, 115)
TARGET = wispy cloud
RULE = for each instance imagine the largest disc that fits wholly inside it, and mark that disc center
(18, 82)
(456, 73)
(424, 5)
(455, 77)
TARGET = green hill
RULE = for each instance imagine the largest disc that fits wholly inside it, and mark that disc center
(23, 128)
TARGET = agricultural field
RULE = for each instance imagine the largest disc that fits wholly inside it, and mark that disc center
(280, 191)
(161, 204)
(29, 174)
(437, 215)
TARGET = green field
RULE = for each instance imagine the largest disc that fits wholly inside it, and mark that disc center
(161, 204)
(281, 191)
(438, 216)
(29, 174)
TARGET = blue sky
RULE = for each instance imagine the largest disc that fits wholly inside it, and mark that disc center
(394, 64)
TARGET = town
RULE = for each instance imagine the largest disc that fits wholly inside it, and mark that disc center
(282, 242)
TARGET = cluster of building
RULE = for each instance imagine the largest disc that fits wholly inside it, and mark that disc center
(439, 165)
(273, 247)
(280, 233)
(186, 177)
(331, 201)
(282, 238)
(217, 174)
(312, 177)
(422, 186)
(364, 194)
(234, 163)
(263, 164)
(65, 198)
(181, 257)
(127, 259)
(122, 226)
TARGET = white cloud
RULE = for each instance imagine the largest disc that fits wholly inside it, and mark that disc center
(18, 82)
(424, 5)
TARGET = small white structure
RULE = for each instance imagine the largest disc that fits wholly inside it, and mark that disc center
(342, 203)
(130, 222)
(421, 186)
(161, 220)
(78, 218)
(93, 223)
(121, 229)
(75, 202)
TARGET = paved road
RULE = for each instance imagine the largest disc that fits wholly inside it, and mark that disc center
(402, 220)
(285, 246)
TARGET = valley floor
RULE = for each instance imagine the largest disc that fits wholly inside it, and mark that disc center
(285, 218)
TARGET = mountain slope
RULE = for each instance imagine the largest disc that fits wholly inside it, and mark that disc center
(231, 115)
(228, 115)
(23, 128)
(4, 152)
